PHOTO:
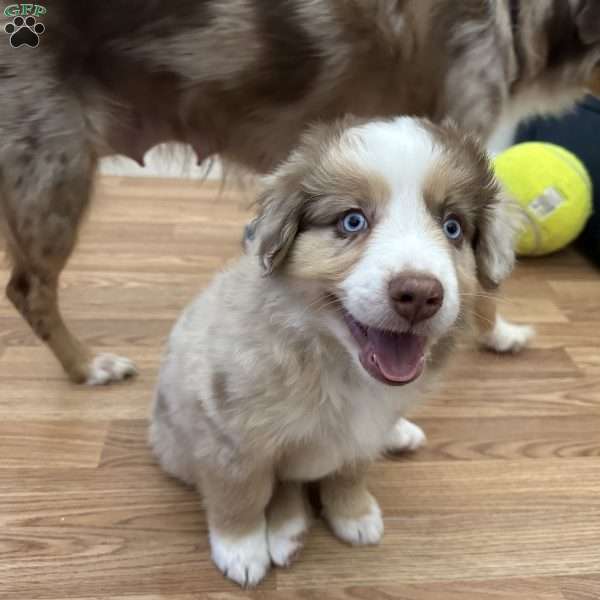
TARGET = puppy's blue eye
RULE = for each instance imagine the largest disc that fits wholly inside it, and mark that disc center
(453, 229)
(353, 222)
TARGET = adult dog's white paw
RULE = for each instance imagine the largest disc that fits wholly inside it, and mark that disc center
(507, 337)
(106, 368)
(405, 436)
(245, 559)
(286, 540)
(363, 530)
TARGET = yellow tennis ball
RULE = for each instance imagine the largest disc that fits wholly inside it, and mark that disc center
(554, 190)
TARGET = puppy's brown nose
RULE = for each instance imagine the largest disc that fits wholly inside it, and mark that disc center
(416, 297)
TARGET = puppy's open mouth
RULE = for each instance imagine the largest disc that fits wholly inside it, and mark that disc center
(390, 357)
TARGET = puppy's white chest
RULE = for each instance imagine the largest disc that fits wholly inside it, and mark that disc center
(350, 426)
(309, 463)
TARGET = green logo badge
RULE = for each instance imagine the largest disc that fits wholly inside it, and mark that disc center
(25, 28)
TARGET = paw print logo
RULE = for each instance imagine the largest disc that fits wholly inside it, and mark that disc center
(24, 32)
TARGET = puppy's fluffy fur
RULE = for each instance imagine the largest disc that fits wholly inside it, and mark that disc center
(243, 78)
(286, 368)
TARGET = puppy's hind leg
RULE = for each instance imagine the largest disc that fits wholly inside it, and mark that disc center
(167, 441)
(497, 334)
(43, 196)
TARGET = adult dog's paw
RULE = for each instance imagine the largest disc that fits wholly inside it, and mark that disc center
(404, 437)
(507, 337)
(106, 368)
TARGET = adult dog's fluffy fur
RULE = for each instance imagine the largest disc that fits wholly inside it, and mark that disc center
(243, 78)
(369, 245)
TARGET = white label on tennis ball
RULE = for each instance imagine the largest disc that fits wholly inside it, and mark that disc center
(545, 204)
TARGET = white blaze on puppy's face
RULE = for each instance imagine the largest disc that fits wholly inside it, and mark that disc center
(406, 238)
(392, 223)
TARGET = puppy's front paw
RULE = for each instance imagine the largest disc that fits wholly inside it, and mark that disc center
(286, 540)
(507, 337)
(405, 436)
(244, 559)
(360, 530)
(106, 368)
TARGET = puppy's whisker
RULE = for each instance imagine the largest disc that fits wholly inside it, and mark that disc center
(321, 304)
(484, 295)
(497, 299)
(483, 318)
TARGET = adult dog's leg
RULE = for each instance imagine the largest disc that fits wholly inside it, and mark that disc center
(497, 334)
(44, 191)
(405, 436)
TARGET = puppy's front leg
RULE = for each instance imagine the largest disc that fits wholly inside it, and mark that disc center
(235, 507)
(288, 520)
(350, 509)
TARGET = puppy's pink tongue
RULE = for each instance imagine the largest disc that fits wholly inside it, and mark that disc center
(395, 357)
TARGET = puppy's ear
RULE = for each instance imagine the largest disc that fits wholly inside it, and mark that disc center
(494, 242)
(588, 21)
(277, 225)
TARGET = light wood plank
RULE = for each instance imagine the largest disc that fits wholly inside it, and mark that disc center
(51, 444)
(581, 588)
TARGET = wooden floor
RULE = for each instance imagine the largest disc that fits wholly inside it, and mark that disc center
(503, 504)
